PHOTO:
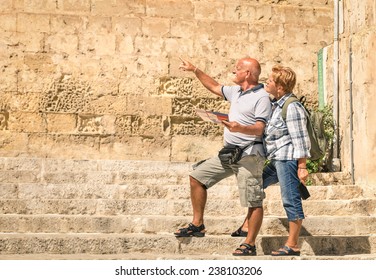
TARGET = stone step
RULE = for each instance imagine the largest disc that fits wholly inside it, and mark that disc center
(107, 208)
(180, 207)
(318, 226)
(140, 177)
(168, 244)
(167, 256)
(43, 170)
(161, 191)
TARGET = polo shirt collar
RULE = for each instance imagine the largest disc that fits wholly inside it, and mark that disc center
(254, 89)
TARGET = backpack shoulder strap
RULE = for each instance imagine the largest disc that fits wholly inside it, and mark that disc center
(289, 100)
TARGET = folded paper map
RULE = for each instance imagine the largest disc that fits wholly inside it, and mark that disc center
(210, 116)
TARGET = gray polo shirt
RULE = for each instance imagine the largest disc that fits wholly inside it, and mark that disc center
(246, 108)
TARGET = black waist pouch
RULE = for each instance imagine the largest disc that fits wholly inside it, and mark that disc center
(230, 155)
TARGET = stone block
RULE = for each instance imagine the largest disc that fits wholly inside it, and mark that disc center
(33, 77)
(228, 30)
(127, 26)
(62, 43)
(127, 147)
(33, 23)
(8, 191)
(8, 80)
(15, 101)
(17, 176)
(77, 6)
(322, 16)
(184, 29)
(136, 66)
(156, 27)
(108, 104)
(36, 6)
(26, 122)
(8, 23)
(64, 146)
(67, 24)
(209, 10)
(79, 64)
(124, 44)
(265, 32)
(52, 165)
(98, 25)
(313, 3)
(95, 124)
(170, 9)
(175, 87)
(61, 123)
(22, 164)
(364, 225)
(30, 41)
(297, 32)
(84, 177)
(13, 144)
(147, 105)
(263, 14)
(321, 34)
(192, 148)
(304, 15)
(118, 7)
(184, 107)
(68, 95)
(150, 46)
(100, 45)
(239, 12)
(6, 5)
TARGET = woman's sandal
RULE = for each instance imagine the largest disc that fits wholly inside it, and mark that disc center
(249, 250)
(239, 233)
(191, 230)
(285, 251)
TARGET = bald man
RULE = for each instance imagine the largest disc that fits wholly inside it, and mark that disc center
(250, 109)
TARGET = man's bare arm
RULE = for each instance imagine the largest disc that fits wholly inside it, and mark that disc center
(255, 129)
(205, 79)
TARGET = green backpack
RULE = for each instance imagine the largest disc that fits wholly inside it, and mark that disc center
(315, 128)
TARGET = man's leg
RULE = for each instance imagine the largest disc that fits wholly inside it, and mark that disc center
(251, 195)
(269, 177)
(254, 222)
(198, 200)
(205, 175)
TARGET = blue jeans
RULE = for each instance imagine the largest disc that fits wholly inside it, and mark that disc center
(285, 172)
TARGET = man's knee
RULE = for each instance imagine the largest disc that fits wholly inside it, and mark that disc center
(256, 209)
(195, 183)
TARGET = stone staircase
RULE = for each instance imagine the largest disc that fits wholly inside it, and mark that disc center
(105, 209)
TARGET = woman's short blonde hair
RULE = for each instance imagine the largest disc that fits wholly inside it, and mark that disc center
(284, 77)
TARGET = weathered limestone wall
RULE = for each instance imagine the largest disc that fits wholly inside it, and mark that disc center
(99, 79)
(360, 29)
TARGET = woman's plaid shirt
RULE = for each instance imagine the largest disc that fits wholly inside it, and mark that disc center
(287, 140)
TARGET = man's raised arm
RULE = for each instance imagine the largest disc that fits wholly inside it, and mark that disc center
(205, 79)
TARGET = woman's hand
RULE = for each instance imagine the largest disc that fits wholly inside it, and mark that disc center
(303, 174)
